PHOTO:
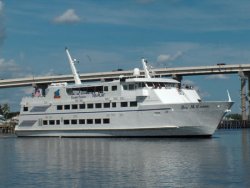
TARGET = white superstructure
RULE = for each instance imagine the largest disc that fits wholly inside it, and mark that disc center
(126, 107)
(2, 120)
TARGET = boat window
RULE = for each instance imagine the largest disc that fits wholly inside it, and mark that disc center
(106, 105)
(82, 106)
(136, 85)
(113, 104)
(124, 104)
(150, 84)
(156, 85)
(125, 87)
(162, 84)
(84, 90)
(131, 86)
(74, 106)
(52, 122)
(45, 122)
(114, 88)
(25, 109)
(67, 107)
(106, 121)
(133, 103)
(66, 122)
(106, 88)
(93, 89)
(98, 121)
(59, 107)
(98, 105)
(69, 91)
(58, 122)
(141, 84)
(73, 121)
(89, 121)
(171, 85)
(90, 105)
(168, 85)
(81, 121)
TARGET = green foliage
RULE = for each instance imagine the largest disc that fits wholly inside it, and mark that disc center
(234, 117)
(5, 110)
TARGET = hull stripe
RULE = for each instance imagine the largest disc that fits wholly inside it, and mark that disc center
(57, 113)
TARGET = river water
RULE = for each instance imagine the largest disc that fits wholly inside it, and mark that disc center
(221, 161)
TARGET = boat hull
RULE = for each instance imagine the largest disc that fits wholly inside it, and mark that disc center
(158, 132)
(176, 120)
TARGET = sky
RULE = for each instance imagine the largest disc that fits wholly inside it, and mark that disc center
(107, 35)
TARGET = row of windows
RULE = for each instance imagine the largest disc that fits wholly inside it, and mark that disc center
(96, 105)
(149, 84)
(91, 105)
(77, 121)
(132, 86)
(91, 89)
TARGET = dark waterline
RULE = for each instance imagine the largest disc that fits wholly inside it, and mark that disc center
(221, 161)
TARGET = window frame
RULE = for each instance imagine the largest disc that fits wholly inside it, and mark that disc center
(106, 121)
(66, 107)
(114, 88)
(124, 104)
(74, 106)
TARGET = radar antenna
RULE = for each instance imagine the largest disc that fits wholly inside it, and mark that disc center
(73, 68)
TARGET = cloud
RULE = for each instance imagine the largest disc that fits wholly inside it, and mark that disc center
(163, 58)
(9, 68)
(2, 28)
(188, 82)
(8, 65)
(202, 93)
(218, 76)
(69, 16)
(1, 7)
(167, 57)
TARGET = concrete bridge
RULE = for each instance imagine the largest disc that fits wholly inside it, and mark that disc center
(243, 70)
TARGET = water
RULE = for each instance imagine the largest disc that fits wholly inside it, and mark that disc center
(222, 161)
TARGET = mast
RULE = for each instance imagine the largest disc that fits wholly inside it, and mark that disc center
(73, 68)
(145, 67)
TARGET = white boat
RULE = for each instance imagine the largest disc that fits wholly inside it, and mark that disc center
(140, 106)
(2, 120)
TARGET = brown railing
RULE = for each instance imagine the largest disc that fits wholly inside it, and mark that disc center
(7, 128)
(234, 124)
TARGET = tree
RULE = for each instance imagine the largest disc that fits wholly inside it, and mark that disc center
(5, 110)
(234, 117)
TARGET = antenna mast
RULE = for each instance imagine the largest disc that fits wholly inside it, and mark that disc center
(145, 67)
(73, 68)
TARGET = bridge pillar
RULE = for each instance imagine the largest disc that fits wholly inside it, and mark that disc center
(178, 78)
(243, 95)
(248, 93)
(43, 87)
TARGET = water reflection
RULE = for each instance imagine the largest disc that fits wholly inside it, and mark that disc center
(246, 145)
(53, 162)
